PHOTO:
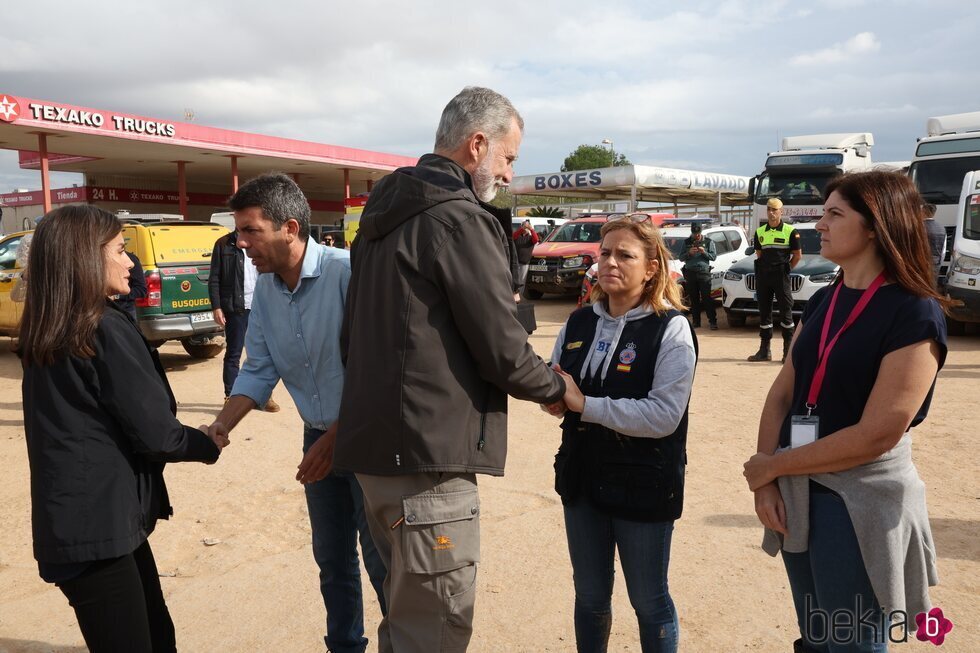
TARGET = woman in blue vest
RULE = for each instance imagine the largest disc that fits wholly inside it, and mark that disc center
(620, 468)
(833, 480)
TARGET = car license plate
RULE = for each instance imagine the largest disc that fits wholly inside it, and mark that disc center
(197, 318)
(539, 268)
(537, 278)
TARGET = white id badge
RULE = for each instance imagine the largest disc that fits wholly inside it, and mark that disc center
(803, 430)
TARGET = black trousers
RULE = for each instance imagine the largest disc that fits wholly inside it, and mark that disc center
(120, 606)
(774, 282)
(698, 287)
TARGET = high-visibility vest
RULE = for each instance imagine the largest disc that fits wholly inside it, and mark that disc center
(768, 238)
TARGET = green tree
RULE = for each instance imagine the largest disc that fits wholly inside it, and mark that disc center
(503, 200)
(587, 157)
(546, 212)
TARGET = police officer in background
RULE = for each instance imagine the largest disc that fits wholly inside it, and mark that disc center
(697, 256)
(777, 251)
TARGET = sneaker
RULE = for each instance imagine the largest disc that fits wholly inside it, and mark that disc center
(714, 326)
(271, 406)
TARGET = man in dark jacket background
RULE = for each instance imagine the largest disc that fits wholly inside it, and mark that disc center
(433, 347)
(697, 255)
(231, 282)
(137, 287)
(525, 239)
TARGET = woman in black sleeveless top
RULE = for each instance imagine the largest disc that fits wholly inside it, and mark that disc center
(620, 468)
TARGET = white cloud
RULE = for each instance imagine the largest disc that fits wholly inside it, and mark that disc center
(704, 81)
(859, 44)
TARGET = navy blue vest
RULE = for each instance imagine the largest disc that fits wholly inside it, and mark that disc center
(641, 479)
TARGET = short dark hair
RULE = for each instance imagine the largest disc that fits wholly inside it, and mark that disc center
(280, 199)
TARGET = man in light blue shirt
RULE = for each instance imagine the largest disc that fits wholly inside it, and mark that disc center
(294, 335)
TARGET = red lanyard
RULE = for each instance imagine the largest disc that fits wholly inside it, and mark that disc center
(823, 353)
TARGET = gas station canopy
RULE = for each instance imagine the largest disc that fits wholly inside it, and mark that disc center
(178, 156)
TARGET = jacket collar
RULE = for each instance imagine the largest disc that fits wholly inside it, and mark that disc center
(453, 170)
(310, 268)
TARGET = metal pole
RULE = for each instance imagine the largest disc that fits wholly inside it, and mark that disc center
(42, 147)
(234, 174)
(182, 188)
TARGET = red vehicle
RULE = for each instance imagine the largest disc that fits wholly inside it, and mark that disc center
(559, 263)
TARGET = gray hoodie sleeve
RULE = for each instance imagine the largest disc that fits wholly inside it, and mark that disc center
(658, 414)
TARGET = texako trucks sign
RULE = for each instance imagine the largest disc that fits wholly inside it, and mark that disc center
(13, 109)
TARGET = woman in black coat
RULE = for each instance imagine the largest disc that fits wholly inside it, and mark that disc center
(100, 422)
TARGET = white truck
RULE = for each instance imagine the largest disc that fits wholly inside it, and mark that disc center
(963, 281)
(799, 171)
(949, 150)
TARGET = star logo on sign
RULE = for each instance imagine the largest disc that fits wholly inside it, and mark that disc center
(8, 109)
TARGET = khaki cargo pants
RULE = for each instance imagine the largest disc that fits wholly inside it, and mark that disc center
(427, 529)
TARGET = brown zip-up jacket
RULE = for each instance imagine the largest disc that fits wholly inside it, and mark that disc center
(431, 339)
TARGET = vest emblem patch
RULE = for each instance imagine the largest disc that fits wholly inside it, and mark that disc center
(573, 345)
(628, 355)
(623, 368)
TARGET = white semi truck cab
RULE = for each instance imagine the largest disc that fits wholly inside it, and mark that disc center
(799, 171)
(949, 150)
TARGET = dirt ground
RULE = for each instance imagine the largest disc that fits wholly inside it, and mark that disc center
(256, 588)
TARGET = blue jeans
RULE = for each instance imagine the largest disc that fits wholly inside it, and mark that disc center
(336, 508)
(644, 551)
(830, 576)
(236, 324)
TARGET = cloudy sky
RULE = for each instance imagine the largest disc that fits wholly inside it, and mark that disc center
(695, 84)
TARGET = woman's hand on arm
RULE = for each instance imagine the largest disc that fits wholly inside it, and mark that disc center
(574, 399)
(770, 509)
(903, 382)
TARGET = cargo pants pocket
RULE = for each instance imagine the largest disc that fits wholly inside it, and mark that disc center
(441, 531)
(441, 540)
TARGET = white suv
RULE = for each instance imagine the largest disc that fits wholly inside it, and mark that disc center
(729, 240)
(730, 244)
(812, 273)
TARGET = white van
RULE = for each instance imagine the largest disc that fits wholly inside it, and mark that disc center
(963, 281)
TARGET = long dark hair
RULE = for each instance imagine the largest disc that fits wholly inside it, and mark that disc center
(66, 283)
(893, 209)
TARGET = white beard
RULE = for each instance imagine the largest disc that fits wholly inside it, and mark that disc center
(485, 185)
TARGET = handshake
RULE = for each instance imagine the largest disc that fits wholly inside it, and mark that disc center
(573, 400)
(217, 432)
(317, 460)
